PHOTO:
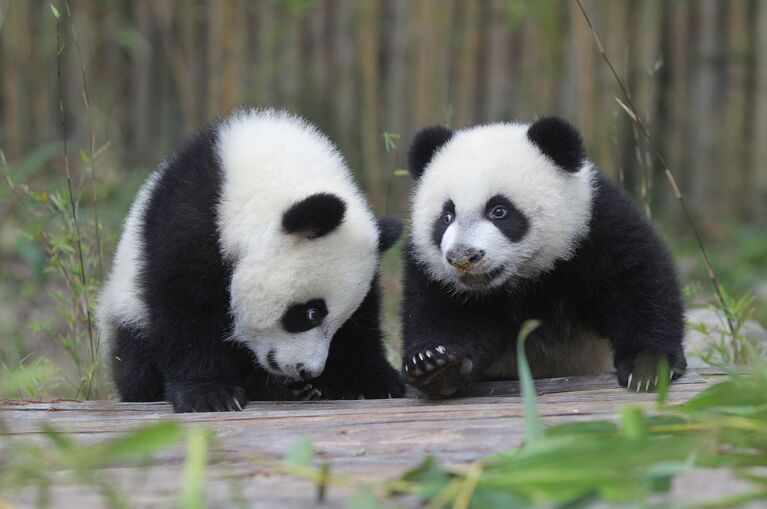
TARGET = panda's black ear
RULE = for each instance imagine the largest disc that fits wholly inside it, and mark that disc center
(389, 230)
(560, 141)
(314, 216)
(423, 147)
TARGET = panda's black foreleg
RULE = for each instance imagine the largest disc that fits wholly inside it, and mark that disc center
(199, 368)
(644, 336)
(447, 342)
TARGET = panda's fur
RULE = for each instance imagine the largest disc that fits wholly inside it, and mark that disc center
(229, 244)
(510, 222)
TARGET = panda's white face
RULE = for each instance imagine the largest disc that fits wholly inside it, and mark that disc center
(491, 209)
(299, 235)
(288, 311)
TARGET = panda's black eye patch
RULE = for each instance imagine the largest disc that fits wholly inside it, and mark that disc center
(445, 219)
(506, 217)
(305, 316)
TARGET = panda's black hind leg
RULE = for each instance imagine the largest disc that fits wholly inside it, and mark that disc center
(134, 371)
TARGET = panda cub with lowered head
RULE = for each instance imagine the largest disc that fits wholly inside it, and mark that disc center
(249, 261)
(511, 222)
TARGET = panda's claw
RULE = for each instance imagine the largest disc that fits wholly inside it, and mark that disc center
(237, 403)
(440, 370)
(628, 385)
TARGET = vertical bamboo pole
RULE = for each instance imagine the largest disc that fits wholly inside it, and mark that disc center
(367, 53)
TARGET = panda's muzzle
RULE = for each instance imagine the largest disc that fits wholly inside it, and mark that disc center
(464, 258)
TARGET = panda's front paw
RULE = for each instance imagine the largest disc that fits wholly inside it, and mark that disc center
(641, 372)
(305, 391)
(439, 371)
(206, 397)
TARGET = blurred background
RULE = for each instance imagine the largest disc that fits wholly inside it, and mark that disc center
(133, 78)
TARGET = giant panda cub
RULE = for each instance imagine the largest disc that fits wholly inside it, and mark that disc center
(247, 270)
(511, 222)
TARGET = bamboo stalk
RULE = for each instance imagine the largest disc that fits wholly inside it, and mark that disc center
(637, 119)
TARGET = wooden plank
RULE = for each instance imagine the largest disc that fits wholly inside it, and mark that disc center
(372, 440)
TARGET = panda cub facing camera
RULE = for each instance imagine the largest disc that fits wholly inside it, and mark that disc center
(248, 270)
(511, 222)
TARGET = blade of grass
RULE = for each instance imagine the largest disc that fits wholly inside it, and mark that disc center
(194, 469)
(532, 419)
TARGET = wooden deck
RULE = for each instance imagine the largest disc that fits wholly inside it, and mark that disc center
(371, 439)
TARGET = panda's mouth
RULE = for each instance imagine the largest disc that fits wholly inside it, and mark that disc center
(481, 279)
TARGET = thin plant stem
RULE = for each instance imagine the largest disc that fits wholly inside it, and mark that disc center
(68, 173)
(92, 135)
(631, 111)
(94, 195)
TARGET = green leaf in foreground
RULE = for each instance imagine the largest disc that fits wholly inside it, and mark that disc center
(430, 477)
(141, 443)
(362, 499)
(301, 453)
(194, 469)
(533, 424)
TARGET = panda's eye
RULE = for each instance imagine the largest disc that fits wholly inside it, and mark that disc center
(499, 212)
(448, 217)
(313, 315)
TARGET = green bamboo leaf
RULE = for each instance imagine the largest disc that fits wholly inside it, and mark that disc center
(634, 423)
(362, 499)
(301, 453)
(141, 443)
(194, 469)
(664, 378)
(55, 11)
(533, 425)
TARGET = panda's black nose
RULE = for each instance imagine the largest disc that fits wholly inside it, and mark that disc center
(303, 373)
(461, 257)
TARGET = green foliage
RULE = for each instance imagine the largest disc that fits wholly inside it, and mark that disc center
(60, 458)
(729, 348)
(28, 381)
(194, 469)
(301, 453)
(60, 242)
(724, 427)
(533, 424)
